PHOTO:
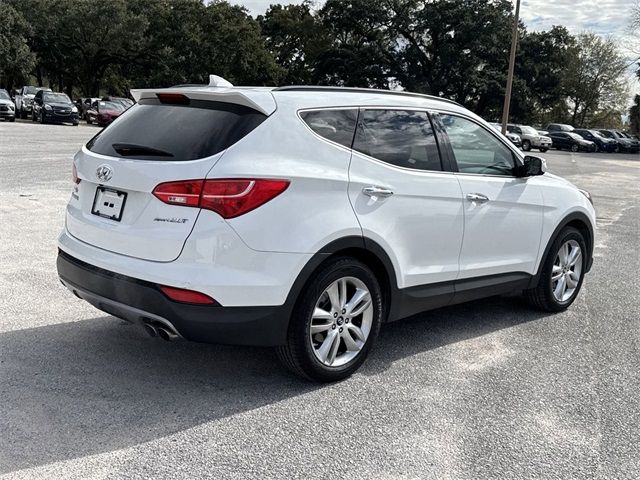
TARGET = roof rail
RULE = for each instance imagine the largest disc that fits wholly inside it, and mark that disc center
(303, 88)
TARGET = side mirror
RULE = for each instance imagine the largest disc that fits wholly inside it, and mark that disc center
(532, 167)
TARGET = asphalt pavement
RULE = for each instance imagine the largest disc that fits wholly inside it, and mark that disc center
(489, 389)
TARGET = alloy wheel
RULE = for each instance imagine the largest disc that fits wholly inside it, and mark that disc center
(566, 271)
(341, 321)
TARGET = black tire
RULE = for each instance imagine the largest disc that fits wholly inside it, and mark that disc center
(542, 150)
(526, 145)
(33, 116)
(12, 119)
(41, 119)
(617, 149)
(89, 121)
(298, 353)
(575, 148)
(542, 296)
(23, 114)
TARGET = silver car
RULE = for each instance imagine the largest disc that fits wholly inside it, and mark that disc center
(531, 138)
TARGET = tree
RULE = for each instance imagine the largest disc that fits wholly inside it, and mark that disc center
(594, 80)
(16, 59)
(540, 69)
(296, 39)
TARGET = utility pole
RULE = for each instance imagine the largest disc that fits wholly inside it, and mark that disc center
(512, 64)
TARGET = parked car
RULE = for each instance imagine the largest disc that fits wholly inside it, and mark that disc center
(530, 138)
(55, 107)
(125, 102)
(7, 107)
(571, 141)
(515, 139)
(602, 143)
(24, 100)
(84, 105)
(625, 144)
(305, 217)
(104, 112)
(558, 127)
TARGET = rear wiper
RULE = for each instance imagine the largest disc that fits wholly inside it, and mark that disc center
(131, 150)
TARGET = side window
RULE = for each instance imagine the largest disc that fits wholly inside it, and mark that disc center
(334, 125)
(475, 149)
(399, 137)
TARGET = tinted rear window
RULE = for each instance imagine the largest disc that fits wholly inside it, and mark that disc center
(154, 131)
(335, 125)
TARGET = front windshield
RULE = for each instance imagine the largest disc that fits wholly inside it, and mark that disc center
(30, 90)
(56, 98)
(4, 95)
(104, 105)
(607, 134)
(575, 136)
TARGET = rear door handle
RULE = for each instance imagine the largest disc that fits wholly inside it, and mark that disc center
(375, 191)
(477, 198)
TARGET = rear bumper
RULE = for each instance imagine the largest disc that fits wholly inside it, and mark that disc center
(141, 301)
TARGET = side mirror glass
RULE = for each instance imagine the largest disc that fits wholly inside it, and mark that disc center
(533, 166)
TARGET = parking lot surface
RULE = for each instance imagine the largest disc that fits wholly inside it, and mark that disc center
(490, 389)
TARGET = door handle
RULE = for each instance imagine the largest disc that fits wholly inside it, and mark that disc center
(379, 192)
(477, 198)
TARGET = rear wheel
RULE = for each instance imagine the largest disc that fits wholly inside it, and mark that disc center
(562, 274)
(335, 322)
(526, 145)
(575, 148)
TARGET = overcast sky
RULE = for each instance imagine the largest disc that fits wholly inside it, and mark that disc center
(604, 17)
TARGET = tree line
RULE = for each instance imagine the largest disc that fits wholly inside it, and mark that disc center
(458, 49)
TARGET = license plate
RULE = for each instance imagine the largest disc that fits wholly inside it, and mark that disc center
(109, 203)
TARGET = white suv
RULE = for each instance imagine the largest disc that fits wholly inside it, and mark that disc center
(304, 218)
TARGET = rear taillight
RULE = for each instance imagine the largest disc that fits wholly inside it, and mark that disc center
(74, 173)
(187, 296)
(229, 198)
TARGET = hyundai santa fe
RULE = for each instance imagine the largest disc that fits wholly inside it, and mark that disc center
(304, 218)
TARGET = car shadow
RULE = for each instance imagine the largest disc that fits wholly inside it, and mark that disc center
(98, 385)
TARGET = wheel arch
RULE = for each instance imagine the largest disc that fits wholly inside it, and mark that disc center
(578, 220)
(363, 249)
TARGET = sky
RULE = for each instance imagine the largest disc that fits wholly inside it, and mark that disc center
(603, 17)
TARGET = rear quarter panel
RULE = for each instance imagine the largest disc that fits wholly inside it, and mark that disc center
(315, 209)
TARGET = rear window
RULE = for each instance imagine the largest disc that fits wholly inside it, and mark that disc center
(173, 133)
(335, 125)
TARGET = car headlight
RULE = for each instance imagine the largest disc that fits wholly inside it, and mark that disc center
(11, 107)
(74, 110)
(47, 107)
(586, 194)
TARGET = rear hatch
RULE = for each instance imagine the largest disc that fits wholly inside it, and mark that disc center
(170, 135)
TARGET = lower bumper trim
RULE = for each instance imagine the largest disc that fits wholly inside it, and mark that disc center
(139, 301)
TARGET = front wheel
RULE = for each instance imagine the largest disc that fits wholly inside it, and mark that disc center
(562, 274)
(543, 149)
(575, 148)
(526, 145)
(335, 322)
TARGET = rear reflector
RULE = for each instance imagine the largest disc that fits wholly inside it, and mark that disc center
(187, 296)
(229, 198)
